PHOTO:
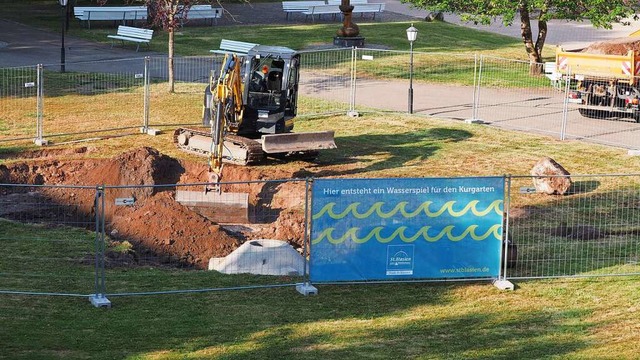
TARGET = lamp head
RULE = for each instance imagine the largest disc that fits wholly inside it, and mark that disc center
(63, 2)
(412, 33)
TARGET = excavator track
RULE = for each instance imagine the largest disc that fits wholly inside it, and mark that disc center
(237, 149)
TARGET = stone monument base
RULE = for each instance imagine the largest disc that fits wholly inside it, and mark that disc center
(357, 41)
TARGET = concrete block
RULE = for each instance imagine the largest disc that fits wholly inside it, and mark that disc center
(306, 289)
(99, 300)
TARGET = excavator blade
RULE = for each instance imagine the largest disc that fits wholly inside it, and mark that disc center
(217, 207)
(298, 142)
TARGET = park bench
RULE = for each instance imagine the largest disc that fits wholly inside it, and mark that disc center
(322, 10)
(110, 13)
(237, 47)
(353, 2)
(133, 34)
(299, 6)
(197, 12)
(370, 8)
(551, 72)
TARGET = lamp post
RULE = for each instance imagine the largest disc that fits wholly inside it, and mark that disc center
(63, 3)
(412, 34)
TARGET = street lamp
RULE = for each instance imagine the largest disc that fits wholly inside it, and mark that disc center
(63, 3)
(412, 34)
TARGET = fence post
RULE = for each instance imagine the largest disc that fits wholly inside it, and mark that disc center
(501, 282)
(305, 288)
(145, 129)
(565, 105)
(352, 94)
(98, 298)
(477, 72)
(39, 140)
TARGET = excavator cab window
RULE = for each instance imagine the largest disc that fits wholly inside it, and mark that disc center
(265, 86)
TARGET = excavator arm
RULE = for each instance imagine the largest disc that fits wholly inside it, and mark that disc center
(227, 111)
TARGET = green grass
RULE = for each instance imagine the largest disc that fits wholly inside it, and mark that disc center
(574, 319)
(568, 319)
(438, 37)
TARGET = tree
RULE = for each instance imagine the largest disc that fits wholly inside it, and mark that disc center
(601, 13)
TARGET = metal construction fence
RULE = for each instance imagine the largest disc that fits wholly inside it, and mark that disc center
(42, 103)
(109, 241)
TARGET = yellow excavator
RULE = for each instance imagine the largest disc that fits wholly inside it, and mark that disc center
(250, 109)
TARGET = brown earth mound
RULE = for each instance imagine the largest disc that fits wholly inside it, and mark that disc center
(620, 46)
(156, 224)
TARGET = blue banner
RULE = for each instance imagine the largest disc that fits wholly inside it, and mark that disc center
(400, 229)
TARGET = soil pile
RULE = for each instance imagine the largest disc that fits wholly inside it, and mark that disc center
(620, 46)
(156, 225)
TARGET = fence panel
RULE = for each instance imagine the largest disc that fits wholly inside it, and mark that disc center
(178, 240)
(191, 77)
(594, 230)
(592, 121)
(81, 100)
(510, 96)
(325, 82)
(442, 83)
(49, 233)
(18, 103)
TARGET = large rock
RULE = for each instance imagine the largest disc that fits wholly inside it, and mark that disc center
(434, 16)
(550, 178)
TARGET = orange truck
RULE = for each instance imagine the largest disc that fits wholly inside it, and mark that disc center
(604, 85)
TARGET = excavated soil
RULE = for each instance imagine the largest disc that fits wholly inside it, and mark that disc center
(620, 46)
(156, 224)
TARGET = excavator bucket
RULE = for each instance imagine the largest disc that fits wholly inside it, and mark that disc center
(296, 142)
(217, 207)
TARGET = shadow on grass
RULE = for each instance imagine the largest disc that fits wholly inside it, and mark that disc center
(589, 231)
(387, 151)
(345, 322)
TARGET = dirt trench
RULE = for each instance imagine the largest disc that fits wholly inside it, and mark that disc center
(156, 224)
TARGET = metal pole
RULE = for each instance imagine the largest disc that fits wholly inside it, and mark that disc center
(64, 26)
(411, 78)
(565, 105)
(307, 230)
(39, 104)
(476, 103)
(474, 111)
(147, 92)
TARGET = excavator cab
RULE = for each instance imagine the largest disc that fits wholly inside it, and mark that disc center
(272, 90)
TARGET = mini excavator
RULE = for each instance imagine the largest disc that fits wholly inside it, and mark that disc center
(250, 109)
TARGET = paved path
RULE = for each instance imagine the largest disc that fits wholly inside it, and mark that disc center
(22, 45)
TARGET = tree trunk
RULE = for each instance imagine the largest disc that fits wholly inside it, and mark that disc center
(533, 50)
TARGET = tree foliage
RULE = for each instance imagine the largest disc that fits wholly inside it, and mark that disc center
(601, 13)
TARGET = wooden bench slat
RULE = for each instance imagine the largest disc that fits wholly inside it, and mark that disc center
(299, 6)
(202, 12)
(133, 34)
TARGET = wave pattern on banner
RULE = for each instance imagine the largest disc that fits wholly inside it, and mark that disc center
(495, 230)
(352, 208)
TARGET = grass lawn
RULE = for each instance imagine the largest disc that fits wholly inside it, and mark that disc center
(560, 319)
(563, 318)
(198, 40)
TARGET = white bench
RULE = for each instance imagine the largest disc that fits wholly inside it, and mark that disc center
(237, 47)
(197, 12)
(353, 2)
(299, 6)
(110, 13)
(322, 10)
(370, 8)
(133, 34)
(551, 72)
